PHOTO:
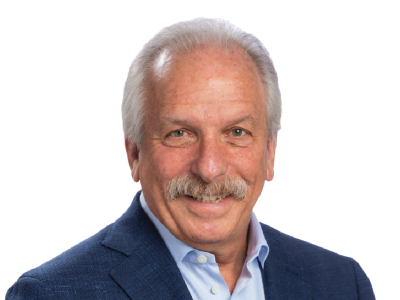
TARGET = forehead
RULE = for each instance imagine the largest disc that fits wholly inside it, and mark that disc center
(208, 76)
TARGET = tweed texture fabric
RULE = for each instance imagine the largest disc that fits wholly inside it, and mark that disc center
(129, 260)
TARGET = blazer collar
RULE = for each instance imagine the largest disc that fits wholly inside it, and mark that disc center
(149, 270)
(283, 271)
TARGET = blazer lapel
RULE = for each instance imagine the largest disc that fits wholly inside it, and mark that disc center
(149, 270)
(284, 275)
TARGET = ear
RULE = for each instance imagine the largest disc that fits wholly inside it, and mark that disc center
(132, 152)
(271, 147)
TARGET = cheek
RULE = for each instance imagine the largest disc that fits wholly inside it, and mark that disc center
(168, 163)
(247, 162)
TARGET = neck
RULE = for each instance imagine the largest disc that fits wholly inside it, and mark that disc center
(231, 265)
(230, 257)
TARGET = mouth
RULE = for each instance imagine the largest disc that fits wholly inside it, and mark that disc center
(214, 199)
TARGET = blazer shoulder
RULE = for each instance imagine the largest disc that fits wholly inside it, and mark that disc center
(319, 268)
(88, 261)
(297, 248)
(82, 272)
(30, 288)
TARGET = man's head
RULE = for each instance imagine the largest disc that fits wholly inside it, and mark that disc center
(181, 38)
(201, 111)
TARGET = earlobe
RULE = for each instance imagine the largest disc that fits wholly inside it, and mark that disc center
(132, 153)
(135, 171)
(270, 173)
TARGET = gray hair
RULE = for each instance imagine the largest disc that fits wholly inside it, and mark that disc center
(183, 37)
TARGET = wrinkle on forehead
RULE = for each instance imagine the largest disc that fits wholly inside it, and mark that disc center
(213, 75)
(204, 60)
(209, 115)
(212, 63)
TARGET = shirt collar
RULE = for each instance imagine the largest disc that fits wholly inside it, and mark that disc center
(257, 246)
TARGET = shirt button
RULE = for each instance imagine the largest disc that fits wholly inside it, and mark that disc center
(202, 259)
(215, 289)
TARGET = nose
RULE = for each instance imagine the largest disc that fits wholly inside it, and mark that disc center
(209, 163)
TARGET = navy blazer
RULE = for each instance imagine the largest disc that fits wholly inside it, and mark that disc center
(129, 260)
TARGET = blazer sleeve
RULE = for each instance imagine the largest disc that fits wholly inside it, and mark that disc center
(364, 286)
(29, 288)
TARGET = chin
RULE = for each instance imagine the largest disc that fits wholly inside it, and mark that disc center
(208, 233)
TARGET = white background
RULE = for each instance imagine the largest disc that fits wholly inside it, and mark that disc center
(63, 170)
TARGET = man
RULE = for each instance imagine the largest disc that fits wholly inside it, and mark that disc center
(201, 112)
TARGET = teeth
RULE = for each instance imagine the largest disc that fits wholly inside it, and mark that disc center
(210, 199)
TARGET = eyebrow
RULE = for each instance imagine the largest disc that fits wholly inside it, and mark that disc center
(243, 119)
(171, 120)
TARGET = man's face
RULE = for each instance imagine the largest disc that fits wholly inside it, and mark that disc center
(206, 119)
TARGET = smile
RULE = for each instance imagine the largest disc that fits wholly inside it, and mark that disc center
(209, 199)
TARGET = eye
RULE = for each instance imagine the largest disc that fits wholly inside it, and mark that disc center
(178, 133)
(179, 138)
(238, 132)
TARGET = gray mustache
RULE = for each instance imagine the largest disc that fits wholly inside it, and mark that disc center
(195, 187)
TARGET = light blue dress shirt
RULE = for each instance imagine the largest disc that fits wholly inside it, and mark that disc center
(200, 270)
